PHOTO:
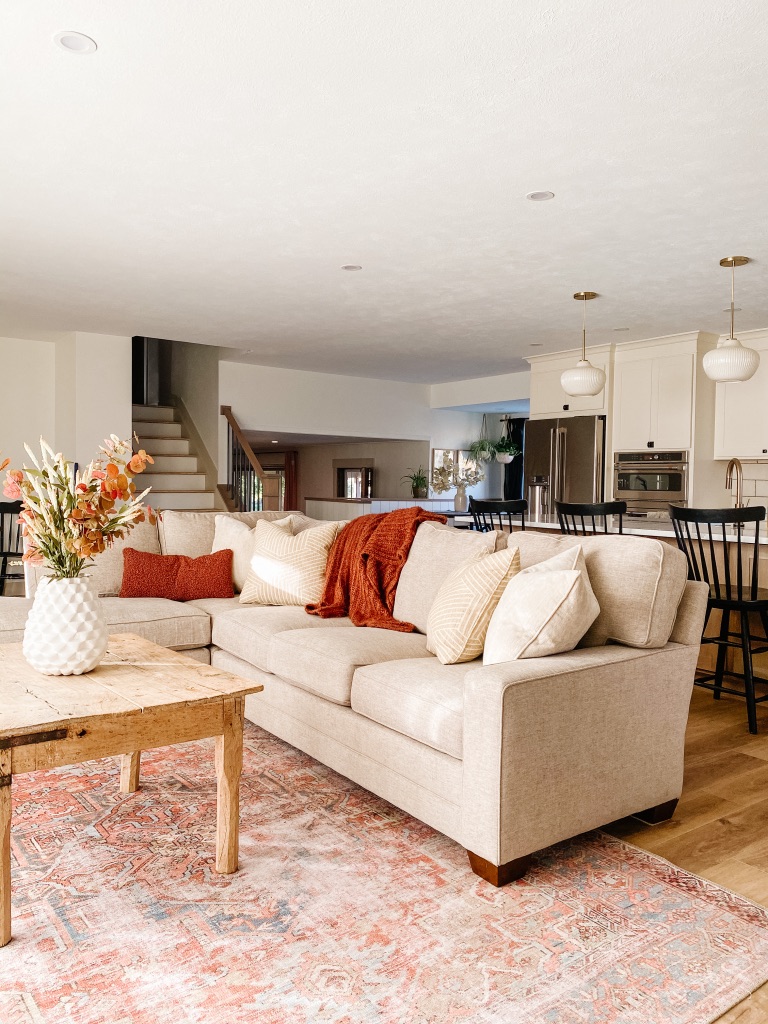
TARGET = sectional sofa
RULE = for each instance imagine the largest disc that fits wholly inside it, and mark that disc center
(504, 759)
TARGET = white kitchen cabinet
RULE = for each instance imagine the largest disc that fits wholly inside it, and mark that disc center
(653, 398)
(741, 410)
(547, 396)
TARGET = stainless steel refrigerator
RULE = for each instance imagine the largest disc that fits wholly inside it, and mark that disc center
(565, 459)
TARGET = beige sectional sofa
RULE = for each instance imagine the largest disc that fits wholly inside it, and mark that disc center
(504, 759)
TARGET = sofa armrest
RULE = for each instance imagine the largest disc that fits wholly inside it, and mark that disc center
(556, 746)
(691, 613)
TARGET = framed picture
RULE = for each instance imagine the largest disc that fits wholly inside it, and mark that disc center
(438, 454)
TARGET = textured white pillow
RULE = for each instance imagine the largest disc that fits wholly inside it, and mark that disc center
(287, 569)
(459, 616)
(234, 534)
(545, 609)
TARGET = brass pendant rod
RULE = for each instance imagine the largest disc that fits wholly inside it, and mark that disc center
(584, 333)
(733, 286)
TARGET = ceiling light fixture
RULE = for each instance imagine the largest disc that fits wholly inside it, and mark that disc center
(351, 266)
(275, 442)
(621, 328)
(730, 362)
(540, 197)
(583, 378)
(537, 344)
(75, 42)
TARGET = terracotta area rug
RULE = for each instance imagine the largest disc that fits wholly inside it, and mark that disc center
(345, 911)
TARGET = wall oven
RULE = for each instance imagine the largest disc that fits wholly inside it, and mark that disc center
(650, 481)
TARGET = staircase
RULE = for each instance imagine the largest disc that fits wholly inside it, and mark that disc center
(175, 479)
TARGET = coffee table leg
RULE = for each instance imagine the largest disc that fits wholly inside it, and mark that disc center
(5, 847)
(129, 772)
(229, 765)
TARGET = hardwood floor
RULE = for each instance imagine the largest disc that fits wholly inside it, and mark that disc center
(720, 827)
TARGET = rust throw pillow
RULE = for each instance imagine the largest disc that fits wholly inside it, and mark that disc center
(177, 577)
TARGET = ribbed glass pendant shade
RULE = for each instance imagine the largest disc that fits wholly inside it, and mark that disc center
(582, 379)
(730, 362)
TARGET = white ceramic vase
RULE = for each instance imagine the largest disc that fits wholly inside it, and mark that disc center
(460, 499)
(66, 632)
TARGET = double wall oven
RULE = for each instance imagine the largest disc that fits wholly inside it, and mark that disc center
(650, 481)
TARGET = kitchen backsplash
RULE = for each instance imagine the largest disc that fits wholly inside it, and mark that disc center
(755, 487)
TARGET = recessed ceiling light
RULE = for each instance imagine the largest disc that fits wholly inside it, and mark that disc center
(621, 328)
(351, 266)
(537, 344)
(75, 42)
(540, 197)
(275, 442)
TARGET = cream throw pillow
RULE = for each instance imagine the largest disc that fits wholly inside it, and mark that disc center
(234, 534)
(287, 568)
(546, 609)
(459, 616)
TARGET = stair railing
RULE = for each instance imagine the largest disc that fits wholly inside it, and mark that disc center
(244, 471)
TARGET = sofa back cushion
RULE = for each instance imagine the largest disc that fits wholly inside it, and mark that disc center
(106, 572)
(436, 551)
(638, 583)
(191, 533)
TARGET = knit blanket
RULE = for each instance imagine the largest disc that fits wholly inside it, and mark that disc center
(364, 566)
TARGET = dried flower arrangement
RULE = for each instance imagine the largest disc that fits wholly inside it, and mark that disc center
(69, 517)
(450, 475)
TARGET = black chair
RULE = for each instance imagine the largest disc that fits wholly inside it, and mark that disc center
(10, 542)
(494, 515)
(732, 585)
(584, 519)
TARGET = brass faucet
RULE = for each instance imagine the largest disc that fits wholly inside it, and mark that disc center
(735, 464)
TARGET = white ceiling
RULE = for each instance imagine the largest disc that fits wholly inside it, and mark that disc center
(204, 175)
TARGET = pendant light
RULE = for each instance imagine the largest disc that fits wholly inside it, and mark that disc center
(730, 362)
(584, 378)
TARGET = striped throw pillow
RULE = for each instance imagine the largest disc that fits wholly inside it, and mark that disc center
(287, 568)
(459, 617)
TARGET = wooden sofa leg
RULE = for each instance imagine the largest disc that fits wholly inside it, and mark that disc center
(499, 874)
(655, 815)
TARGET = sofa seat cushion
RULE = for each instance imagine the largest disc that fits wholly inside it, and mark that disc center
(13, 618)
(419, 698)
(216, 606)
(247, 632)
(324, 661)
(167, 623)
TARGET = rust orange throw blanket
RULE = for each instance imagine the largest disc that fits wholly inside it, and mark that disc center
(364, 566)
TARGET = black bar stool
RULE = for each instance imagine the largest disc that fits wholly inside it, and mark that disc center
(584, 519)
(733, 588)
(494, 515)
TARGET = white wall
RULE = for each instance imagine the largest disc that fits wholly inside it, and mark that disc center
(74, 389)
(102, 398)
(28, 396)
(505, 387)
(195, 380)
(299, 401)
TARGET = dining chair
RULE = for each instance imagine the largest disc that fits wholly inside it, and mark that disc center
(582, 519)
(731, 572)
(10, 542)
(495, 515)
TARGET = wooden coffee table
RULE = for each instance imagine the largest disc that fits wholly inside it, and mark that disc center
(141, 696)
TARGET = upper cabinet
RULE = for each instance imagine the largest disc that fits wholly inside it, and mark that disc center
(547, 396)
(653, 396)
(741, 410)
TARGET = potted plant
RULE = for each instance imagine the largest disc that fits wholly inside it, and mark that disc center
(418, 481)
(506, 449)
(451, 475)
(67, 517)
(482, 450)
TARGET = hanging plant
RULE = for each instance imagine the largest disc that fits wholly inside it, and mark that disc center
(484, 449)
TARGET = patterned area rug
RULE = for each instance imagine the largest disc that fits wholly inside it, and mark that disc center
(345, 911)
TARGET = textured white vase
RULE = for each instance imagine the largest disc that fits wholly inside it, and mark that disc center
(66, 632)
